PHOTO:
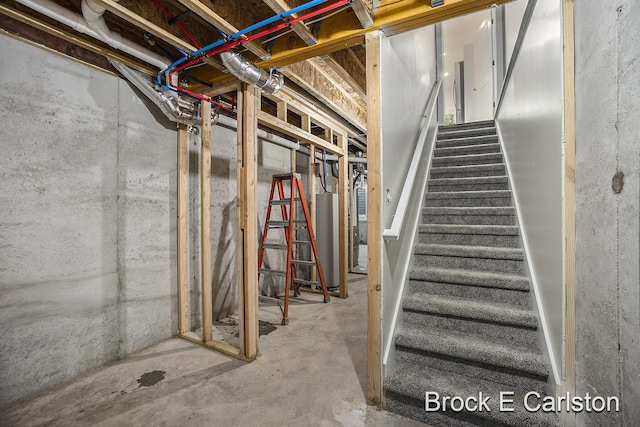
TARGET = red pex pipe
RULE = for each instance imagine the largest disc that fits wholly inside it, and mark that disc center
(177, 24)
(201, 97)
(262, 33)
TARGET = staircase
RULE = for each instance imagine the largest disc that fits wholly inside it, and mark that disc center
(468, 323)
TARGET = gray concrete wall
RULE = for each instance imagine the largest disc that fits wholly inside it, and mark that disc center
(608, 141)
(530, 126)
(87, 221)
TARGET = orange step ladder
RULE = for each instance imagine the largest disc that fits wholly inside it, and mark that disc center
(290, 224)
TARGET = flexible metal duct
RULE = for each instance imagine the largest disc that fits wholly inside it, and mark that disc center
(268, 81)
(187, 113)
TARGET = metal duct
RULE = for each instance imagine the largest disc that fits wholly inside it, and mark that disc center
(168, 104)
(269, 82)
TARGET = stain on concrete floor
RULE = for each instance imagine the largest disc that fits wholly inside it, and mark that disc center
(151, 378)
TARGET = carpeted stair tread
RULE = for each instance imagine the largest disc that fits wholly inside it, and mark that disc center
(473, 140)
(470, 125)
(468, 321)
(469, 309)
(464, 133)
(472, 194)
(468, 159)
(495, 230)
(473, 348)
(471, 278)
(469, 180)
(487, 169)
(469, 210)
(466, 149)
(486, 252)
(407, 383)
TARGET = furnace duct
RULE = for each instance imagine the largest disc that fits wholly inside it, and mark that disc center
(176, 109)
(269, 82)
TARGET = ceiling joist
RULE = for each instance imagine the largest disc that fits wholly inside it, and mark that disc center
(311, 77)
(345, 30)
(281, 6)
(139, 21)
(216, 20)
(363, 11)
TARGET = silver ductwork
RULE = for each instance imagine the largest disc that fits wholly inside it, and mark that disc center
(176, 109)
(269, 82)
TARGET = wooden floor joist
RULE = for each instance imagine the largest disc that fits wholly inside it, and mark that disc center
(345, 30)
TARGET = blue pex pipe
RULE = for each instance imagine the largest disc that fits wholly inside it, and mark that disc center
(277, 17)
(250, 28)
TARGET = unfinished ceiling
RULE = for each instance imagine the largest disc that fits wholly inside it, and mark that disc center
(319, 49)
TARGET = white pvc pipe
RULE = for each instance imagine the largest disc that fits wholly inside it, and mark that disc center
(95, 27)
(278, 140)
(262, 134)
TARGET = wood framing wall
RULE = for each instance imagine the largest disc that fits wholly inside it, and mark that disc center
(247, 249)
(249, 114)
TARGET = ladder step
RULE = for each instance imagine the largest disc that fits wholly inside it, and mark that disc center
(269, 271)
(285, 224)
(303, 262)
(290, 175)
(274, 246)
(283, 201)
(305, 282)
(301, 242)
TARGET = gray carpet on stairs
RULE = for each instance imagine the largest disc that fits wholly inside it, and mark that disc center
(468, 324)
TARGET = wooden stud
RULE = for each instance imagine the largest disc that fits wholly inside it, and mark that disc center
(343, 217)
(289, 129)
(216, 20)
(280, 6)
(282, 110)
(569, 200)
(249, 215)
(205, 220)
(241, 219)
(183, 227)
(77, 39)
(375, 224)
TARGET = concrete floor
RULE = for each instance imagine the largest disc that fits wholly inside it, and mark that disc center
(310, 373)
